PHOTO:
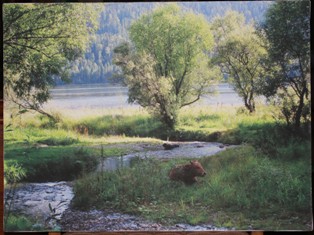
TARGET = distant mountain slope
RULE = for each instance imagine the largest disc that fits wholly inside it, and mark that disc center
(96, 65)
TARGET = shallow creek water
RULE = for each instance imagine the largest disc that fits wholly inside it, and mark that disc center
(50, 202)
(191, 149)
(46, 202)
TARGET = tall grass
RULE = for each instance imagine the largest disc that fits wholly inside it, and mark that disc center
(238, 180)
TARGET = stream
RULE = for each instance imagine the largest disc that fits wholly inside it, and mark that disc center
(186, 149)
(49, 203)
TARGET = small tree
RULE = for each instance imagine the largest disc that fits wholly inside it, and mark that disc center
(167, 67)
(286, 30)
(239, 54)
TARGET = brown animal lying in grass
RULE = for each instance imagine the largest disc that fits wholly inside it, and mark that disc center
(187, 173)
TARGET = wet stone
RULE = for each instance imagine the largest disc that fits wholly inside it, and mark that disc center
(49, 198)
(36, 199)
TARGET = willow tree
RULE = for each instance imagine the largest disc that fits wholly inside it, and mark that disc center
(240, 54)
(39, 43)
(167, 65)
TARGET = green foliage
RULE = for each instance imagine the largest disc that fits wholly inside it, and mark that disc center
(293, 110)
(168, 67)
(39, 41)
(13, 173)
(286, 30)
(293, 18)
(240, 54)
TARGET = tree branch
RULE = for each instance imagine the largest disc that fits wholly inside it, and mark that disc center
(30, 47)
(186, 104)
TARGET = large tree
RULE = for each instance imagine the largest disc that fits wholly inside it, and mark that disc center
(240, 54)
(286, 30)
(167, 65)
(39, 42)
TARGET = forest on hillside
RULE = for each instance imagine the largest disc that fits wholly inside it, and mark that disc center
(96, 65)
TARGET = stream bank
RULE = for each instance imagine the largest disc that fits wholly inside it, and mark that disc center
(96, 220)
(49, 203)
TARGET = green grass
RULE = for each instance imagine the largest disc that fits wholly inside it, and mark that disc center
(241, 181)
(194, 123)
(20, 223)
(52, 163)
(265, 183)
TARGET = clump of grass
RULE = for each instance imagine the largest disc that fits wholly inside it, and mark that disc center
(247, 179)
(118, 184)
(19, 223)
(238, 180)
(118, 125)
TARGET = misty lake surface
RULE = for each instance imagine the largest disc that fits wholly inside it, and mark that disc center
(95, 96)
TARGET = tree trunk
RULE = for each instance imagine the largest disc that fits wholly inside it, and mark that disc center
(169, 121)
(249, 104)
(298, 114)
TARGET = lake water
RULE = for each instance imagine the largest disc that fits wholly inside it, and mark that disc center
(115, 96)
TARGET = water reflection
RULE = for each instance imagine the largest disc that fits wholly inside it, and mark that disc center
(114, 163)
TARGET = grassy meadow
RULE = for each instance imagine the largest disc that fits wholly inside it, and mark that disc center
(264, 183)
